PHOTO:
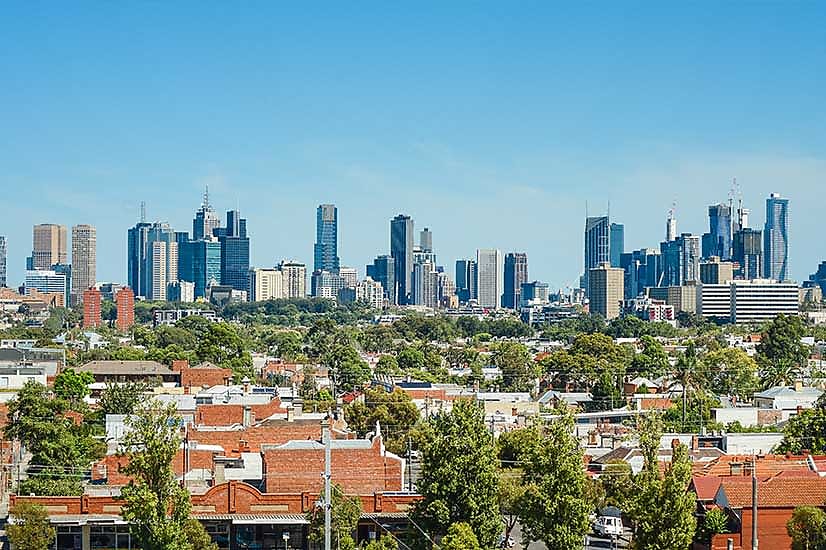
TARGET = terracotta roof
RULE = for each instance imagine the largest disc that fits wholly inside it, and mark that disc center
(706, 487)
(767, 465)
(655, 403)
(776, 492)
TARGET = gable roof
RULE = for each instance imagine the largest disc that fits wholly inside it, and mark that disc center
(775, 492)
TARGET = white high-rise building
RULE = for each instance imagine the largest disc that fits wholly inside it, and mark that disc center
(350, 276)
(2, 261)
(84, 260)
(425, 285)
(294, 279)
(490, 277)
(370, 292)
(748, 302)
(266, 284)
(46, 280)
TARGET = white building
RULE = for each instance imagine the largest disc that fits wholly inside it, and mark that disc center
(425, 285)
(294, 279)
(266, 284)
(714, 301)
(370, 292)
(350, 276)
(46, 280)
(490, 277)
(762, 300)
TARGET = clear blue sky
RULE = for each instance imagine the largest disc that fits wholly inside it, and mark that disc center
(493, 124)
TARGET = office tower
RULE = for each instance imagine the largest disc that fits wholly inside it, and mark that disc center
(266, 284)
(325, 251)
(200, 263)
(606, 291)
(747, 253)
(181, 291)
(2, 261)
(690, 250)
(370, 292)
(714, 271)
(719, 232)
(776, 238)
(349, 275)
(235, 252)
(91, 307)
(516, 273)
(616, 243)
(125, 302)
(401, 249)
(681, 260)
(534, 293)
(382, 271)
(161, 265)
(426, 240)
(643, 268)
(446, 291)
(489, 277)
(137, 240)
(206, 220)
(66, 271)
(758, 301)
(425, 285)
(84, 260)
(597, 244)
(295, 279)
(326, 284)
(48, 246)
(466, 284)
(46, 281)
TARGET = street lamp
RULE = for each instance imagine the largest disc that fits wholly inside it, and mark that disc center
(286, 536)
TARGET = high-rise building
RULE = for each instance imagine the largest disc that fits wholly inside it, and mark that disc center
(401, 249)
(206, 220)
(294, 279)
(426, 240)
(466, 283)
(266, 284)
(84, 260)
(758, 301)
(125, 302)
(3, 252)
(46, 281)
(597, 244)
(714, 271)
(349, 275)
(643, 268)
(534, 293)
(718, 242)
(158, 260)
(747, 253)
(489, 277)
(516, 273)
(670, 226)
(382, 271)
(325, 251)
(326, 284)
(180, 291)
(138, 238)
(91, 307)
(776, 238)
(446, 291)
(235, 252)
(200, 263)
(616, 243)
(48, 246)
(606, 290)
(66, 271)
(370, 292)
(425, 285)
(681, 260)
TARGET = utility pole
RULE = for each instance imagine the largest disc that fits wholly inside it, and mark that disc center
(328, 503)
(753, 503)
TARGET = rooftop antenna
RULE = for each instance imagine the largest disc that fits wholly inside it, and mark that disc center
(206, 196)
(608, 213)
(143, 211)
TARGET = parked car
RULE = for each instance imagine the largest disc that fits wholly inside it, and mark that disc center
(609, 522)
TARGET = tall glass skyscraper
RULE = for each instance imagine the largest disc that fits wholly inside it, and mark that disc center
(325, 251)
(516, 273)
(776, 238)
(597, 244)
(401, 249)
(235, 252)
(382, 270)
(489, 277)
(719, 232)
(747, 252)
(617, 243)
(206, 220)
(466, 280)
(138, 237)
(200, 263)
(2, 261)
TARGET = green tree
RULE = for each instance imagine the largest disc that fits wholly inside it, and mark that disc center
(511, 494)
(731, 371)
(387, 366)
(460, 536)
(197, 536)
(394, 411)
(155, 505)
(459, 481)
(514, 360)
(807, 528)
(348, 368)
(287, 344)
(383, 542)
(344, 517)
(514, 446)
(617, 484)
(663, 509)
(121, 398)
(554, 508)
(31, 529)
(73, 385)
(715, 522)
(652, 361)
(411, 359)
(780, 354)
(806, 430)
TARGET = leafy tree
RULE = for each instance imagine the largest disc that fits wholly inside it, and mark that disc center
(393, 411)
(663, 509)
(715, 522)
(731, 371)
(155, 505)
(348, 368)
(459, 481)
(121, 398)
(344, 518)
(652, 361)
(606, 393)
(383, 542)
(617, 484)
(692, 414)
(460, 536)
(514, 446)
(411, 359)
(45, 484)
(806, 430)
(287, 344)
(807, 528)
(514, 360)
(378, 338)
(31, 530)
(72, 385)
(387, 366)
(511, 494)
(781, 354)
(197, 537)
(554, 508)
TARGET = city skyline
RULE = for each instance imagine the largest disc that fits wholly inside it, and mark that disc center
(499, 143)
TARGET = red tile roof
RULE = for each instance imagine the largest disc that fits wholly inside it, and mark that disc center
(706, 487)
(777, 492)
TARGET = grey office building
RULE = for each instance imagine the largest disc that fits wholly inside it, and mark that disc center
(617, 243)
(597, 244)
(401, 249)
(748, 253)
(466, 274)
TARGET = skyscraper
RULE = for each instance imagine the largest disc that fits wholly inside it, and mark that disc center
(680, 260)
(617, 243)
(206, 220)
(48, 245)
(606, 291)
(466, 286)
(325, 251)
(643, 268)
(125, 301)
(719, 231)
(294, 276)
(426, 240)
(2, 261)
(425, 285)
(671, 226)
(401, 249)
(84, 260)
(235, 252)
(747, 253)
(91, 308)
(516, 273)
(597, 244)
(200, 263)
(137, 239)
(490, 275)
(383, 270)
(776, 238)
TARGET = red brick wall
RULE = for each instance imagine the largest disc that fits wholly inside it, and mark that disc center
(356, 470)
(275, 433)
(109, 468)
(198, 378)
(425, 393)
(226, 415)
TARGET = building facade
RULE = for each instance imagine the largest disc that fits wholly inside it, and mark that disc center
(266, 284)
(776, 238)
(125, 302)
(747, 253)
(714, 271)
(516, 274)
(235, 252)
(401, 249)
(466, 280)
(489, 277)
(597, 244)
(46, 281)
(84, 260)
(294, 279)
(48, 246)
(718, 242)
(616, 243)
(606, 292)
(91, 308)
(382, 270)
(325, 250)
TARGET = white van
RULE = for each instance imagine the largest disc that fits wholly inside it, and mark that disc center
(608, 526)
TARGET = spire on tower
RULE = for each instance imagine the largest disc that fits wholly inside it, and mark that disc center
(143, 211)
(206, 197)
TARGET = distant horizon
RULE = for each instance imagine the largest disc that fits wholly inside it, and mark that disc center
(493, 125)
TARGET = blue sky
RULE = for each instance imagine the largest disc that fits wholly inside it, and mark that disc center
(492, 124)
